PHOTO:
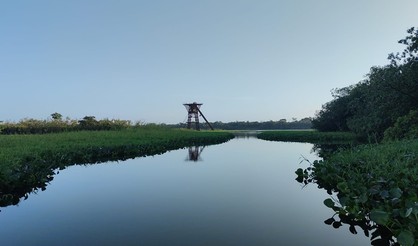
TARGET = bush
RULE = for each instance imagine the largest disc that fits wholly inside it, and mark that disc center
(405, 127)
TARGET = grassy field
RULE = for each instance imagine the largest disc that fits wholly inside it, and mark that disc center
(29, 162)
(145, 141)
(308, 136)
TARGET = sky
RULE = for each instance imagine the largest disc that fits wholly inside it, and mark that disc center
(245, 60)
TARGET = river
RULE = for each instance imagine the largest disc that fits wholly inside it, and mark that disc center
(242, 192)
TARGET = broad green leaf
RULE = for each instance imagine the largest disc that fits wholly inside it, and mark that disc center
(343, 200)
(342, 186)
(379, 216)
(329, 221)
(395, 193)
(353, 229)
(408, 212)
(329, 203)
(363, 198)
(337, 224)
(299, 172)
(406, 238)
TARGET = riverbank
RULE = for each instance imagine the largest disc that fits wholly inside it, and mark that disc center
(28, 162)
(140, 141)
(306, 136)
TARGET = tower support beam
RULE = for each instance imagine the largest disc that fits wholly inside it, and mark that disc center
(193, 111)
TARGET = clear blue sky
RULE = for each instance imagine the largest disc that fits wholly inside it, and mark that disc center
(255, 60)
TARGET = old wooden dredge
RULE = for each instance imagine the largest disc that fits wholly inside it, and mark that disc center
(193, 111)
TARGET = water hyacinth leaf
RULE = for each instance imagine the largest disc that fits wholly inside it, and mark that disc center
(379, 242)
(379, 216)
(299, 172)
(337, 224)
(353, 229)
(342, 186)
(363, 198)
(384, 194)
(407, 213)
(329, 203)
(329, 221)
(406, 238)
(395, 193)
(343, 200)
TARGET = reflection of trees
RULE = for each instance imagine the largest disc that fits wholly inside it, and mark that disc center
(194, 153)
(245, 134)
(324, 150)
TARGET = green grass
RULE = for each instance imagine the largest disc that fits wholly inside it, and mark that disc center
(377, 187)
(13, 148)
(307, 136)
(28, 162)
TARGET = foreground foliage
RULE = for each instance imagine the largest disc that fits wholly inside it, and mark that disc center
(376, 188)
(29, 162)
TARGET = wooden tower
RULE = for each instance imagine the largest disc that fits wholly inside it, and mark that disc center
(193, 111)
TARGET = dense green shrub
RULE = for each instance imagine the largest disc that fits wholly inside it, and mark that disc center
(376, 189)
(406, 127)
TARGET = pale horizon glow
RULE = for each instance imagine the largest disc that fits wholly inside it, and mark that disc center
(245, 60)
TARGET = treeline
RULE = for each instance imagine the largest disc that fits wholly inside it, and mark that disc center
(304, 123)
(384, 104)
(58, 124)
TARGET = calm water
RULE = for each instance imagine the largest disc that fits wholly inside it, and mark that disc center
(242, 192)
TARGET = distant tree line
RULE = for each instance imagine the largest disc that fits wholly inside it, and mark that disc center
(304, 123)
(58, 124)
(384, 104)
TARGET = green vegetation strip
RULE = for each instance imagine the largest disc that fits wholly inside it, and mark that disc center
(307, 136)
(374, 182)
(28, 162)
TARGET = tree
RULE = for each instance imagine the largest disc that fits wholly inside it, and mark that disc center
(88, 123)
(56, 116)
(374, 104)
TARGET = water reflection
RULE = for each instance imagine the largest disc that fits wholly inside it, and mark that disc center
(324, 150)
(35, 174)
(245, 134)
(194, 153)
(244, 195)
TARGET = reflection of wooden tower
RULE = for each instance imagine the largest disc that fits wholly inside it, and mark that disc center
(194, 153)
(193, 110)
